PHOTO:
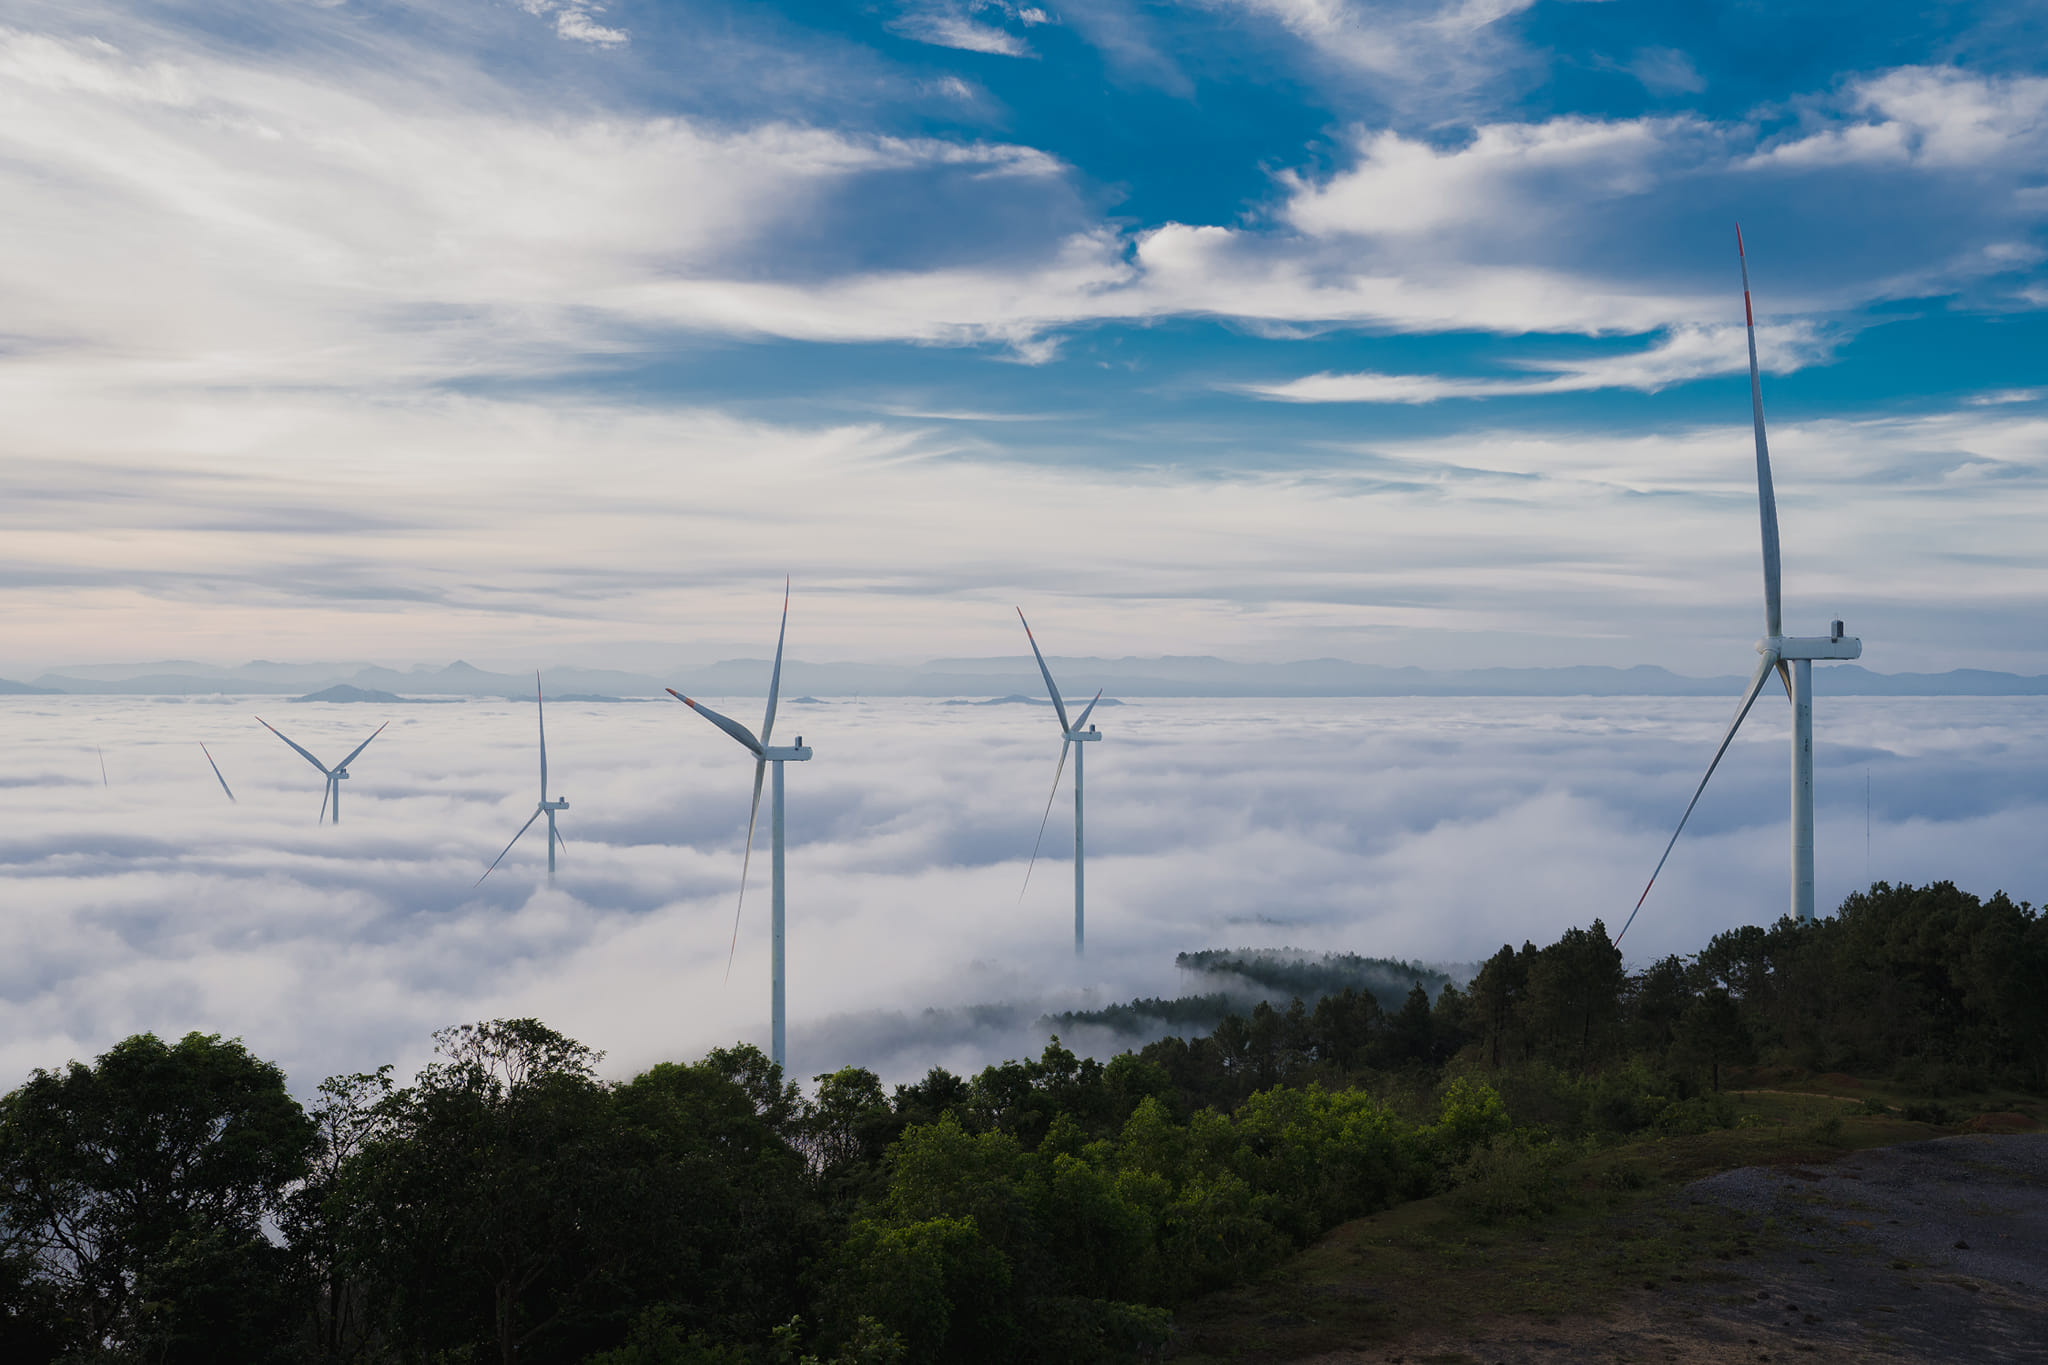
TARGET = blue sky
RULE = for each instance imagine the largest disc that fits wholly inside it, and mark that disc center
(1262, 328)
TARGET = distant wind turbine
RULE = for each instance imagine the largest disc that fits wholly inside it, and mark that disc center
(1070, 735)
(1791, 657)
(333, 775)
(216, 769)
(546, 807)
(764, 754)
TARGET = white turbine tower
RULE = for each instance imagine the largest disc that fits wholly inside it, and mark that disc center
(546, 807)
(333, 775)
(764, 754)
(1079, 732)
(1790, 656)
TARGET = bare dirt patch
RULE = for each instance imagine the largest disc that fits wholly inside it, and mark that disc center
(1932, 1251)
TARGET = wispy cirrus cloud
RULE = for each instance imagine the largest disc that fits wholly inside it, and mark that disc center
(970, 25)
(1682, 354)
(1434, 56)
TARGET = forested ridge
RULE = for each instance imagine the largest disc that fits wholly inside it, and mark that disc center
(173, 1202)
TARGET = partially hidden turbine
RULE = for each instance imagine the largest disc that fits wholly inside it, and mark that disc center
(765, 754)
(1078, 732)
(1790, 656)
(333, 775)
(546, 807)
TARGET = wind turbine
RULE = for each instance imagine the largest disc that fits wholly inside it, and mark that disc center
(1790, 656)
(764, 754)
(333, 775)
(546, 807)
(1070, 735)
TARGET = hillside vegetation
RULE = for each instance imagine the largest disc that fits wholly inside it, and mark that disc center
(172, 1202)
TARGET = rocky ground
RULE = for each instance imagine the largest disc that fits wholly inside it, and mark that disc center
(1932, 1251)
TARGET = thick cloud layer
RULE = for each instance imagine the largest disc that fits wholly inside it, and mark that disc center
(1427, 829)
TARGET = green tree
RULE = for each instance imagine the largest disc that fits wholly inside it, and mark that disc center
(1711, 1033)
(133, 1194)
(494, 1205)
(1575, 995)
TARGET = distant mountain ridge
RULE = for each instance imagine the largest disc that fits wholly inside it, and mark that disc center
(1000, 678)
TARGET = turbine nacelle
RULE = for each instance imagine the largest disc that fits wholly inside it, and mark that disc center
(1080, 736)
(1836, 646)
(798, 752)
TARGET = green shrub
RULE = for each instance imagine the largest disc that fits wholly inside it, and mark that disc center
(1508, 1177)
(1700, 1114)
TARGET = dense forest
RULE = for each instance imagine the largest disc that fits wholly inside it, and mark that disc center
(173, 1202)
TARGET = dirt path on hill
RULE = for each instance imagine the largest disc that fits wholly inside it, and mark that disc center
(1933, 1251)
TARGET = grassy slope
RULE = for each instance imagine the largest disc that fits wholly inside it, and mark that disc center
(1429, 1268)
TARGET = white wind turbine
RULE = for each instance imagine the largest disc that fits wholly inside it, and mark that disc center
(546, 807)
(764, 754)
(1790, 656)
(333, 775)
(1070, 735)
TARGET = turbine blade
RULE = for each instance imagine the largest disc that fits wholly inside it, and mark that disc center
(746, 861)
(540, 710)
(302, 753)
(1766, 495)
(360, 747)
(1050, 686)
(325, 792)
(103, 765)
(560, 840)
(1756, 685)
(1785, 677)
(1087, 710)
(508, 848)
(775, 678)
(216, 770)
(1065, 744)
(725, 723)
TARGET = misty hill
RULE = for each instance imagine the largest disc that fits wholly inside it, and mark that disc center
(11, 688)
(1239, 979)
(1010, 680)
(1294, 972)
(344, 692)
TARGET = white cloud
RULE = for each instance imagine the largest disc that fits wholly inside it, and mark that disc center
(1400, 187)
(203, 218)
(575, 20)
(1666, 71)
(1424, 49)
(1685, 353)
(316, 524)
(1929, 117)
(958, 24)
(208, 219)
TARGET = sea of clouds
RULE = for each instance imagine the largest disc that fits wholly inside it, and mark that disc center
(1426, 828)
